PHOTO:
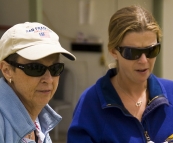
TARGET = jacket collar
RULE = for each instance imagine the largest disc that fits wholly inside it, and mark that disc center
(108, 95)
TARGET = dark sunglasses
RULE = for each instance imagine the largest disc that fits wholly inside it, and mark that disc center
(36, 69)
(131, 53)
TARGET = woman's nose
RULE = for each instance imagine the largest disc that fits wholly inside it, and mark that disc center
(143, 58)
(47, 76)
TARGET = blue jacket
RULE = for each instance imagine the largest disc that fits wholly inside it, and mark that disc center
(15, 122)
(100, 116)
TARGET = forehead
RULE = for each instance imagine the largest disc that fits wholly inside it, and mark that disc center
(139, 39)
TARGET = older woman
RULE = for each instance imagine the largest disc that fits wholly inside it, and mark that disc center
(129, 104)
(31, 67)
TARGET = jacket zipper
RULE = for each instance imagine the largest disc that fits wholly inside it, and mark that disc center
(145, 132)
(147, 137)
(152, 99)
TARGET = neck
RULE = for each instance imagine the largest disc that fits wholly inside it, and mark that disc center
(136, 99)
(34, 112)
(131, 88)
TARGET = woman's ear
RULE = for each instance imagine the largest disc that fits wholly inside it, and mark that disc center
(6, 70)
(113, 52)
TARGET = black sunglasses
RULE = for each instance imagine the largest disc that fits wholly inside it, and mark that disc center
(36, 69)
(131, 53)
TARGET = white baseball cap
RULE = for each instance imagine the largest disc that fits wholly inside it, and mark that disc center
(32, 41)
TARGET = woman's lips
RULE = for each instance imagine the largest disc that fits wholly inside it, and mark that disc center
(44, 91)
(141, 70)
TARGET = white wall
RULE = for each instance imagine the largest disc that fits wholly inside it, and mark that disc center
(167, 44)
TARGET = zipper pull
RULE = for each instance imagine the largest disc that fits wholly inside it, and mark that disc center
(147, 137)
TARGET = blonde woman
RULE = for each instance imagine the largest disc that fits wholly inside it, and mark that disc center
(129, 104)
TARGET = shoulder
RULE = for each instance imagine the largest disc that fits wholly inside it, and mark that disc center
(167, 83)
(164, 81)
(167, 87)
(88, 99)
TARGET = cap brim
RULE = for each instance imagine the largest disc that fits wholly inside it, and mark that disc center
(40, 51)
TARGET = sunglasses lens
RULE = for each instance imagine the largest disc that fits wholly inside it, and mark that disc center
(34, 69)
(135, 53)
(154, 51)
(131, 53)
(127, 53)
(56, 69)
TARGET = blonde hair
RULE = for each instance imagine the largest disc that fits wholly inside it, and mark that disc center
(130, 19)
